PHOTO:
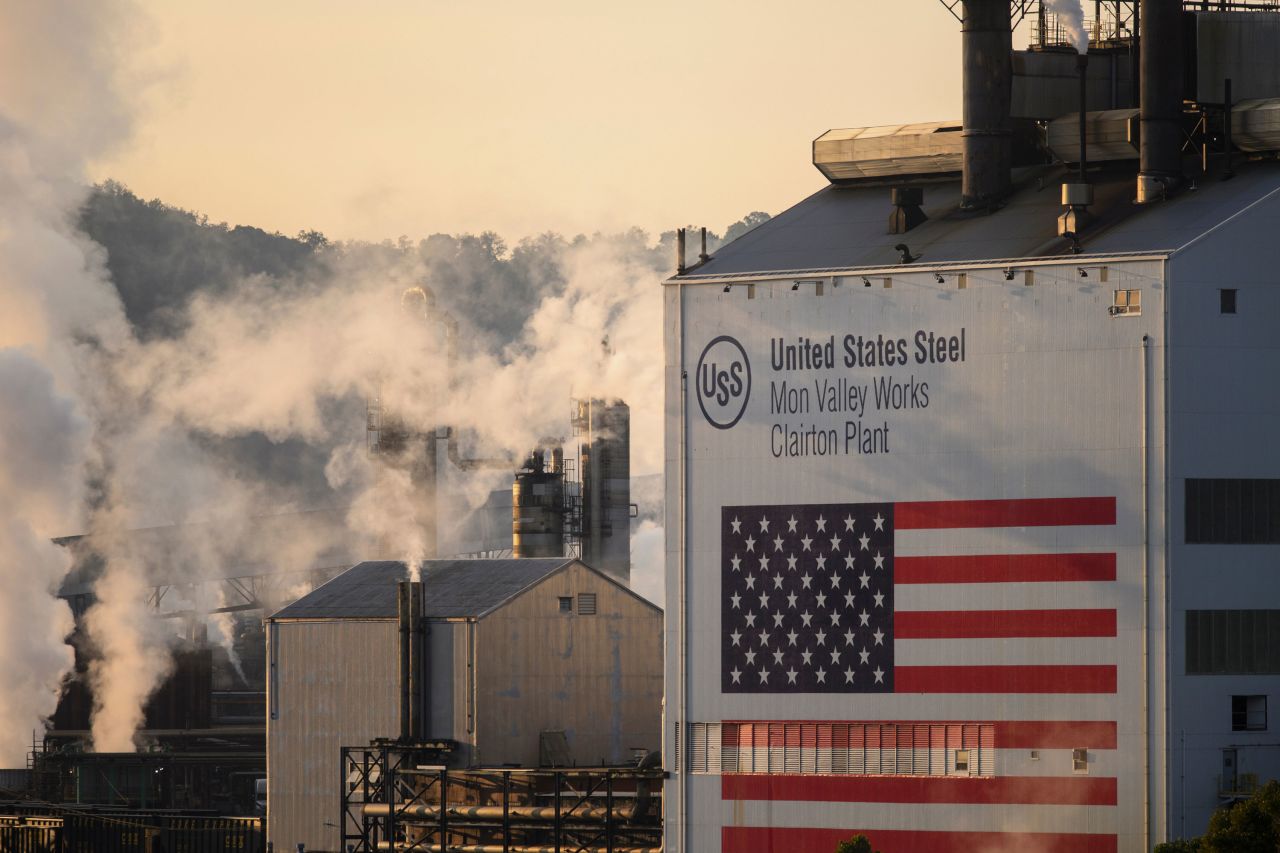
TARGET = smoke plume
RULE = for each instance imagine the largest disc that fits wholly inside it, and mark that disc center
(1070, 14)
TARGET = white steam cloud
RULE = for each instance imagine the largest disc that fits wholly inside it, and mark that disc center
(104, 433)
(1070, 14)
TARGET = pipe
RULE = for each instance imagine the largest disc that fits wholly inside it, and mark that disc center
(1082, 62)
(986, 47)
(1226, 136)
(679, 251)
(425, 847)
(1161, 110)
(590, 813)
(419, 670)
(402, 610)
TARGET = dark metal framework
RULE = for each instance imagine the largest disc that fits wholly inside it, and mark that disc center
(399, 797)
(31, 829)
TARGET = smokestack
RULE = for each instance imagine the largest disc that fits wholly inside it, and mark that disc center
(1161, 108)
(413, 661)
(987, 45)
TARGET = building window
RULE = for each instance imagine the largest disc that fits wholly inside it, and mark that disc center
(566, 604)
(1227, 300)
(1233, 642)
(1232, 512)
(1126, 302)
(1248, 713)
(586, 604)
(841, 749)
(1080, 760)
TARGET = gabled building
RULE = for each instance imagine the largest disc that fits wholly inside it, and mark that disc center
(523, 663)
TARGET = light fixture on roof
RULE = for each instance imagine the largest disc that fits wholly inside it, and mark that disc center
(1009, 274)
(728, 287)
(795, 285)
(866, 282)
(939, 277)
(1084, 273)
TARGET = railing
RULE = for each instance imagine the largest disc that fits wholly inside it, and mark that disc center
(1238, 787)
(120, 832)
(398, 798)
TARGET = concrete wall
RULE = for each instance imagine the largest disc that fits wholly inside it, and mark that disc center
(1224, 416)
(329, 684)
(598, 678)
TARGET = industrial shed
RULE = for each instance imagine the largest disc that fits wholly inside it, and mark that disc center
(516, 651)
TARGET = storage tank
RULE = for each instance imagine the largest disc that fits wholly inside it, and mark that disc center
(538, 506)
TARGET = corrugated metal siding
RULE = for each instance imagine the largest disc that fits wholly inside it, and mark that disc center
(597, 677)
(318, 673)
(1048, 403)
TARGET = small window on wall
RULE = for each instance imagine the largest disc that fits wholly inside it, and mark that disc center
(586, 604)
(1080, 760)
(1248, 713)
(1227, 300)
(566, 604)
(962, 762)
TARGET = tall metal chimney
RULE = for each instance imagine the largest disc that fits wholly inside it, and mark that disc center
(987, 45)
(1161, 108)
(414, 671)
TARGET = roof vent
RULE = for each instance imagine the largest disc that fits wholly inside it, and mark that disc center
(906, 209)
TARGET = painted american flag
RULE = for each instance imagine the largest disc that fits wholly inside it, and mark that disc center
(1018, 650)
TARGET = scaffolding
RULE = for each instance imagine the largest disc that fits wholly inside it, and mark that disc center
(402, 798)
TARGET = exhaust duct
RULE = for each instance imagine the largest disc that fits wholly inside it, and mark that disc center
(413, 661)
(987, 47)
(1160, 144)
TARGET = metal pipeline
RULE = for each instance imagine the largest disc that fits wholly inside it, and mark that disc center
(987, 46)
(587, 813)
(425, 847)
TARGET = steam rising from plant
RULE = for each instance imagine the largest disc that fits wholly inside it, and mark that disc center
(1070, 14)
(109, 433)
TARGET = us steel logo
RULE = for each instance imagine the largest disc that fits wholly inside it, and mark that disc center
(723, 382)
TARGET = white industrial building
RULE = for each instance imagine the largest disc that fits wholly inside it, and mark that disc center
(973, 496)
(516, 662)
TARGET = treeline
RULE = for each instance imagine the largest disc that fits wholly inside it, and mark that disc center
(160, 255)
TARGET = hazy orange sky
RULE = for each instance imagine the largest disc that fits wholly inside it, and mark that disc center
(372, 120)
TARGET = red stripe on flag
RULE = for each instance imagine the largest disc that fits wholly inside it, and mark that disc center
(1002, 790)
(959, 624)
(1005, 568)
(1035, 512)
(1051, 734)
(762, 839)
(1005, 679)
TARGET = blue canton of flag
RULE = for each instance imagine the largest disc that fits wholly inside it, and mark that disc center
(808, 598)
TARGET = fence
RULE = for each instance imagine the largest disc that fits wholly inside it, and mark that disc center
(117, 832)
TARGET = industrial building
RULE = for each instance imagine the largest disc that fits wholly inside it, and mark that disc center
(972, 480)
(515, 662)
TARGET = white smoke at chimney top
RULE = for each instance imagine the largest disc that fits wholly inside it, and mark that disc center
(1070, 14)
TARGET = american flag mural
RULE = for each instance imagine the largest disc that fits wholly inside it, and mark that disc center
(863, 600)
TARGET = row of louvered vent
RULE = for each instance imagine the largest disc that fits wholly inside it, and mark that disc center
(895, 749)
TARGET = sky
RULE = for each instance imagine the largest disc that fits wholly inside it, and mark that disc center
(411, 117)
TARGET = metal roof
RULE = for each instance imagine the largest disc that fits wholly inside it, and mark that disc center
(846, 227)
(452, 588)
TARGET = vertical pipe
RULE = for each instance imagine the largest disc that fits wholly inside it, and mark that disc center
(1161, 87)
(1135, 56)
(417, 664)
(1226, 134)
(402, 611)
(703, 257)
(1082, 62)
(987, 44)
(679, 251)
